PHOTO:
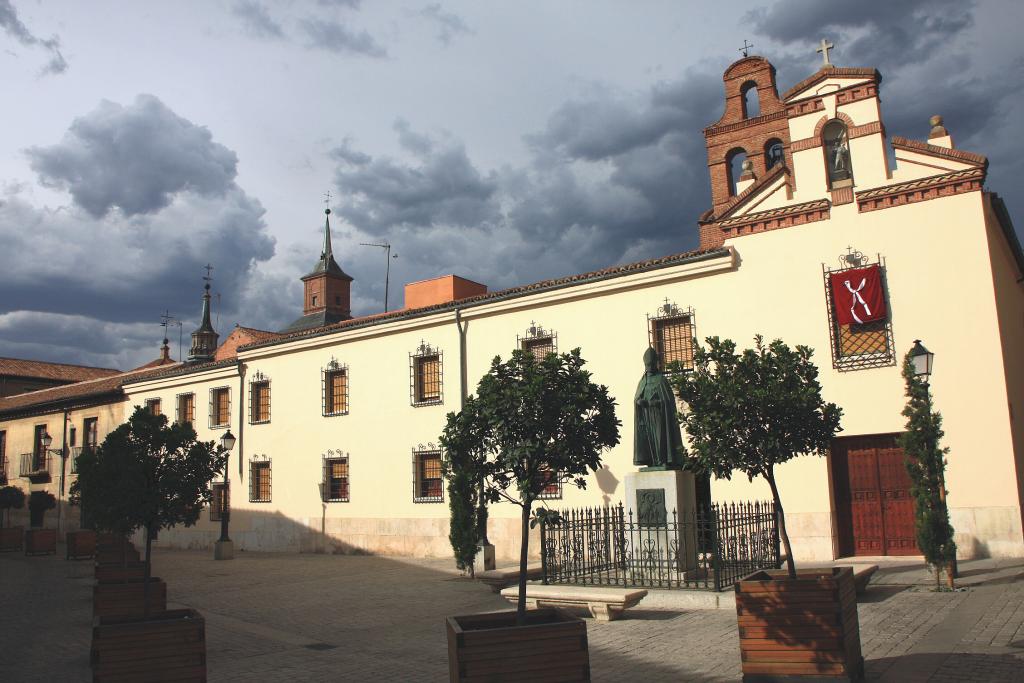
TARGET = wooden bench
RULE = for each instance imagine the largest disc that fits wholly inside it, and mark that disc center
(508, 576)
(605, 604)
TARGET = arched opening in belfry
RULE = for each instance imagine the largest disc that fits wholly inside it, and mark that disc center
(836, 143)
(734, 167)
(751, 102)
(774, 154)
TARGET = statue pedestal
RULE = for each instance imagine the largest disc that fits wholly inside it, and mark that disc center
(664, 531)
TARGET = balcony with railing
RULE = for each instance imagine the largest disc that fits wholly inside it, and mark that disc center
(36, 466)
(73, 454)
(3, 468)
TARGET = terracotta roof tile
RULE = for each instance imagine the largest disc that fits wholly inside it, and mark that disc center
(963, 156)
(63, 372)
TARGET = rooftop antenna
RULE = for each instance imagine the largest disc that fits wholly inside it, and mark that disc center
(166, 320)
(387, 272)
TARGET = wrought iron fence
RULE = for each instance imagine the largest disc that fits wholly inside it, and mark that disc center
(710, 548)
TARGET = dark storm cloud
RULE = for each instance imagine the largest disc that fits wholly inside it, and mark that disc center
(448, 24)
(15, 28)
(334, 36)
(257, 20)
(133, 242)
(135, 158)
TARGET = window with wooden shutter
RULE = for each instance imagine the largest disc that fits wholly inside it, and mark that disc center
(334, 380)
(220, 407)
(259, 400)
(186, 408)
(538, 341)
(428, 481)
(425, 376)
(671, 334)
(220, 500)
(335, 479)
(259, 481)
(153, 406)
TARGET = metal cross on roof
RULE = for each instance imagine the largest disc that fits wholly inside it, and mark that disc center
(825, 47)
(209, 269)
(746, 48)
(327, 199)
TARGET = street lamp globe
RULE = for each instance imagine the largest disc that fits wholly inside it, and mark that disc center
(227, 442)
(922, 359)
(46, 440)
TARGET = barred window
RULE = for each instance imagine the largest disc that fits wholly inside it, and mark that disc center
(857, 346)
(538, 341)
(92, 435)
(672, 337)
(551, 485)
(259, 481)
(335, 485)
(428, 482)
(425, 381)
(220, 407)
(153, 406)
(186, 409)
(3, 457)
(219, 501)
(259, 402)
(335, 391)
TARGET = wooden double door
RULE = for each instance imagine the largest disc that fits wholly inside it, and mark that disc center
(871, 490)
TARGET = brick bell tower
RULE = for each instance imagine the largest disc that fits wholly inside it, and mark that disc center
(764, 138)
(326, 289)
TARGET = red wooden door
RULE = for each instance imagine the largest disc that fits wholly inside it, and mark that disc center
(875, 512)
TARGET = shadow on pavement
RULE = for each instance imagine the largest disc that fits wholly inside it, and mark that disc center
(956, 666)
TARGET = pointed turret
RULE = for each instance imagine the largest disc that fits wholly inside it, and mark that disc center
(327, 289)
(204, 339)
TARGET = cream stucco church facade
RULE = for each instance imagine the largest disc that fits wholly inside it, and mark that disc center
(337, 418)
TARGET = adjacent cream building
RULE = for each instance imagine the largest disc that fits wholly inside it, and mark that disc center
(337, 418)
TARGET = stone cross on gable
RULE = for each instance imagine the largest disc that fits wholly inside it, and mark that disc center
(825, 47)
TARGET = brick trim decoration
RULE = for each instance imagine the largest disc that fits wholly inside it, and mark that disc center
(852, 132)
(842, 195)
(979, 160)
(824, 120)
(832, 72)
(805, 144)
(847, 95)
(745, 123)
(866, 129)
(763, 221)
(932, 187)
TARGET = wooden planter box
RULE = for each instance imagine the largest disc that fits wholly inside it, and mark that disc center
(116, 553)
(490, 647)
(170, 646)
(791, 630)
(124, 598)
(134, 571)
(81, 544)
(11, 538)
(41, 542)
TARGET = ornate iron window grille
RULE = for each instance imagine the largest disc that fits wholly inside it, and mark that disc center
(426, 376)
(219, 491)
(259, 401)
(185, 408)
(335, 482)
(538, 341)
(260, 481)
(427, 477)
(552, 487)
(671, 330)
(153, 406)
(709, 548)
(334, 394)
(858, 346)
(215, 404)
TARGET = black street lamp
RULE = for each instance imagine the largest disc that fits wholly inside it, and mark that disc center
(225, 549)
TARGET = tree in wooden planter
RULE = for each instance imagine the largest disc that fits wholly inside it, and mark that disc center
(151, 475)
(749, 412)
(40, 541)
(11, 498)
(532, 423)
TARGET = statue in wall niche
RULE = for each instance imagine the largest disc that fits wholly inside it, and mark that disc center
(657, 442)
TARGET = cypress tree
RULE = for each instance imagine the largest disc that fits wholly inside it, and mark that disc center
(926, 465)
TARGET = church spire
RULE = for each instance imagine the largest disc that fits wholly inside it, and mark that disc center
(204, 339)
(327, 253)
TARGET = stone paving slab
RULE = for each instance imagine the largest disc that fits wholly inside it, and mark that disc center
(286, 617)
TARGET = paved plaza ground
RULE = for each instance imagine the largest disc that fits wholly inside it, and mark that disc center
(285, 617)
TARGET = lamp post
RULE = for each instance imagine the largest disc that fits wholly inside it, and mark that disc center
(923, 361)
(224, 548)
(45, 440)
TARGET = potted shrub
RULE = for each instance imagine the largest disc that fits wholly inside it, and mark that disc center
(531, 422)
(11, 498)
(151, 475)
(750, 412)
(40, 541)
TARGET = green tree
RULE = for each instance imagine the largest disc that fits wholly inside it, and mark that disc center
(147, 474)
(926, 465)
(11, 498)
(531, 422)
(38, 503)
(463, 469)
(753, 411)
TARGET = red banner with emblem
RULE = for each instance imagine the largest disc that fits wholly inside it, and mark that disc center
(857, 295)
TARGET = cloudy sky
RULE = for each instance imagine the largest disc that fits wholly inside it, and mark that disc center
(504, 141)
